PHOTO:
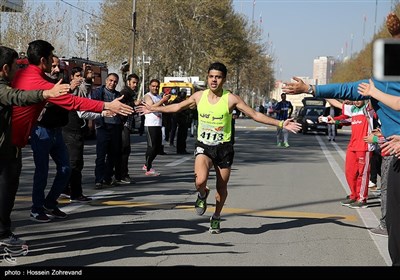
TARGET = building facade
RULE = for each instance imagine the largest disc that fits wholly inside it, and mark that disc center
(323, 68)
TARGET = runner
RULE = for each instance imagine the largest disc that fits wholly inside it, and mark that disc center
(214, 147)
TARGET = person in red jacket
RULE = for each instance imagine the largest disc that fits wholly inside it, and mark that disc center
(33, 77)
(10, 157)
(358, 152)
(40, 57)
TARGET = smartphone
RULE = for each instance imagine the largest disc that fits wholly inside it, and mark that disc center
(386, 59)
(324, 119)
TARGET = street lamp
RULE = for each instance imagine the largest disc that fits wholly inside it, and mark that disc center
(94, 37)
(142, 60)
(87, 40)
(253, 94)
(85, 37)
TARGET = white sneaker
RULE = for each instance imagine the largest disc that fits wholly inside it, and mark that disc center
(371, 185)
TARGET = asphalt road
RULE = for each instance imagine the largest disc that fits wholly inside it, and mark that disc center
(282, 211)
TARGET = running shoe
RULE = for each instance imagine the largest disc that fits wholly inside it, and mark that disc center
(56, 213)
(12, 240)
(65, 195)
(358, 204)
(201, 203)
(82, 198)
(215, 225)
(123, 181)
(379, 230)
(347, 202)
(285, 145)
(40, 217)
(152, 172)
(144, 168)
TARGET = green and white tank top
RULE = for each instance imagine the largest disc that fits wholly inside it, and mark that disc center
(215, 121)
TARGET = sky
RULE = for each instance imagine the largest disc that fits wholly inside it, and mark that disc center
(298, 31)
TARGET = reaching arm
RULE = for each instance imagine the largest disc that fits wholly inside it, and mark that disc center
(117, 107)
(334, 103)
(298, 87)
(369, 89)
(172, 108)
(235, 100)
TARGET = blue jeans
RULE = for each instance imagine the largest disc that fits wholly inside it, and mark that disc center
(47, 142)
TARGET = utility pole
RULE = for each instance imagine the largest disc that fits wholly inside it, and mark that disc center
(365, 20)
(351, 45)
(132, 60)
(376, 14)
(252, 16)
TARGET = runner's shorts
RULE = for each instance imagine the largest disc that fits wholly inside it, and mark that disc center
(221, 154)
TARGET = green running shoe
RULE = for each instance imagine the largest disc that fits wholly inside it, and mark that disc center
(215, 225)
(201, 203)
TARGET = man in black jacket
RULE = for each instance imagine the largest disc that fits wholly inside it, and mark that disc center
(74, 134)
(130, 98)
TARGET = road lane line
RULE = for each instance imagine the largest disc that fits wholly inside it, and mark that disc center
(367, 215)
(179, 161)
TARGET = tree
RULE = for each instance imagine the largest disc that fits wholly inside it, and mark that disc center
(177, 34)
(360, 67)
(37, 22)
(185, 34)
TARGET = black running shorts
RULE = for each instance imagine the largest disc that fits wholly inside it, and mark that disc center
(221, 154)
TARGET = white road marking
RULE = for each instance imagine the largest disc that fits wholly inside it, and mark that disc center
(367, 215)
(179, 161)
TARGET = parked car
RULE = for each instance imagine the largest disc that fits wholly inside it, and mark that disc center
(309, 113)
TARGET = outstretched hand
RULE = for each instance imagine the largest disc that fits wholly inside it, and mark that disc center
(295, 87)
(143, 108)
(118, 107)
(365, 89)
(57, 90)
(292, 126)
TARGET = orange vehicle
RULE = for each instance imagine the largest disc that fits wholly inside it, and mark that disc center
(174, 87)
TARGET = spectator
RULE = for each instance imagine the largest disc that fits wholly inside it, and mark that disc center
(130, 97)
(283, 111)
(74, 134)
(108, 136)
(10, 156)
(153, 124)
